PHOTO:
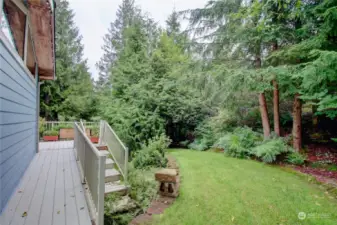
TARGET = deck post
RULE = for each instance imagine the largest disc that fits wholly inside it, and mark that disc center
(101, 190)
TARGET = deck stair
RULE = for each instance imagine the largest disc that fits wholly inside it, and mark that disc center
(113, 177)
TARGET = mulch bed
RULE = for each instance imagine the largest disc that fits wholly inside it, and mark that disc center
(321, 175)
(324, 154)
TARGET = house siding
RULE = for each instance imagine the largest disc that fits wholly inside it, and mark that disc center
(18, 122)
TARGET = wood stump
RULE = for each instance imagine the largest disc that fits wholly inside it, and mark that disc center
(168, 182)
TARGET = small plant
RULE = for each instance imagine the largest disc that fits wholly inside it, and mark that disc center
(94, 131)
(295, 158)
(332, 168)
(41, 126)
(239, 143)
(152, 154)
(199, 144)
(270, 149)
(51, 133)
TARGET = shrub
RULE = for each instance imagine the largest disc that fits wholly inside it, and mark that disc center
(239, 143)
(212, 128)
(51, 133)
(152, 154)
(143, 186)
(295, 158)
(142, 190)
(64, 126)
(270, 149)
(41, 126)
(199, 144)
(94, 131)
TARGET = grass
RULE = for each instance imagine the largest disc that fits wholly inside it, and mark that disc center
(220, 190)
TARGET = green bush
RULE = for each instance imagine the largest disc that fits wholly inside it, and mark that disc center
(212, 128)
(270, 149)
(295, 158)
(94, 130)
(51, 133)
(143, 186)
(41, 126)
(142, 190)
(199, 144)
(239, 143)
(152, 154)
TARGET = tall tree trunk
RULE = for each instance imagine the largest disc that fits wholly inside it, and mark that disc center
(297, 123)
(264, 115)
(276, 101)
(314, 117)
(263, 105)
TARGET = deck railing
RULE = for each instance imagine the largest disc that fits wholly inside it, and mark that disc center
(52, 125)
(116, 147)
(92, 167)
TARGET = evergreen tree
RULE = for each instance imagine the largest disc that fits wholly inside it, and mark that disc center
(126, 14)
(62, 96)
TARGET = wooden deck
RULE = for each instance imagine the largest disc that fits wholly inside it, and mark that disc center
(50, 192)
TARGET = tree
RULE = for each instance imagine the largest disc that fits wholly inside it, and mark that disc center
(63, 97)
(126, 14)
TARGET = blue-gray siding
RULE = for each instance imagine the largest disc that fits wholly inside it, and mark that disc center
(18, 123)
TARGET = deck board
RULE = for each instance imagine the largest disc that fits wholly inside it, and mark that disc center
(50, 192)
(59, 216)
(47, 206)
(83, 213)
(70, 201)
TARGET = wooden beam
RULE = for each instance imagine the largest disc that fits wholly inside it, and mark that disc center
(26, 41)
(21, 6)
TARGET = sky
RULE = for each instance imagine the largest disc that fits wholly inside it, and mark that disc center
(93, 17)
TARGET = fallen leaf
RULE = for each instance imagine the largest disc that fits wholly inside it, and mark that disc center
(58, 212)
(233, 218)
(24, 214)
(81, 208)
(318, 204)
(19, 191)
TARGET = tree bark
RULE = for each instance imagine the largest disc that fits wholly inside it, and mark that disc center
(297, 123)
(276, 101)
(264, 115)
(263, 105)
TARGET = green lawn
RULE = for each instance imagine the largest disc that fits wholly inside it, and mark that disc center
(220, 190)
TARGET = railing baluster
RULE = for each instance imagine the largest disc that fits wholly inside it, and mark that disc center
(116, 147)
(92, 167)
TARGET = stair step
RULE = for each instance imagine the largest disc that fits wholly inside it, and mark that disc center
(115, 187)
(109, 164)
(111, 175)
(102, 147)
(105, 152)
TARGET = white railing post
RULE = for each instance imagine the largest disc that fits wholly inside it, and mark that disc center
(126, 160)
(101, 132)
(101, 190)
(92, 170)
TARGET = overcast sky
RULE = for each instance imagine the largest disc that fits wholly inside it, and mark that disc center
(94, 16)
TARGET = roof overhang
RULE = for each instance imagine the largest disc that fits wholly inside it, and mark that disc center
(41, 20)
